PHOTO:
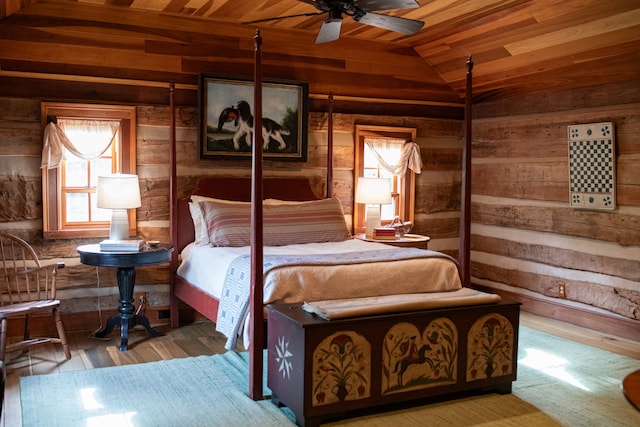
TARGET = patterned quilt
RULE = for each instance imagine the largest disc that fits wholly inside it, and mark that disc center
(234, 301)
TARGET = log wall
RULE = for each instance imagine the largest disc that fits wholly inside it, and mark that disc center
(526, 239)
(84, 289)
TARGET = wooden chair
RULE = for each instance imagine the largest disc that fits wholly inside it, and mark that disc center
(28, 288)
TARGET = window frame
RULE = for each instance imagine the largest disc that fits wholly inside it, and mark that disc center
(406, 184)
(52, 226)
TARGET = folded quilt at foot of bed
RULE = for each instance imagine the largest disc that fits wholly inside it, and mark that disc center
(369, 306)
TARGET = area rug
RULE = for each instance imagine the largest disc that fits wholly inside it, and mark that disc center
(559, 383)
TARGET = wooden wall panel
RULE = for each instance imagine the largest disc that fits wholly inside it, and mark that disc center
(20, 151)
(519, 46)
(19, 196)
(543, 180)
(623, 229)
(525, 237)
(438, 187)
(438, 227)
(628, 190)
(628, 269)
(621, 301)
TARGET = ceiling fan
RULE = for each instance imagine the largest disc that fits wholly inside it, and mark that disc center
(360, 11)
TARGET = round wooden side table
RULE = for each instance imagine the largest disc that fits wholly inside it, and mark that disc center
(126, 263)
(407, 241)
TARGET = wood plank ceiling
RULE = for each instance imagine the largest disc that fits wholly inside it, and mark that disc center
(518, 46)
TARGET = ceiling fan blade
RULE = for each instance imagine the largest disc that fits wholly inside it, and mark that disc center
(367, 5)
(392, 23)
(283, 17)
(329, 31)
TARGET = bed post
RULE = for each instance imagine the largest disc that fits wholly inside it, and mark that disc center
(464, 251)
(256, 324)
(173, 209)
(330, 148)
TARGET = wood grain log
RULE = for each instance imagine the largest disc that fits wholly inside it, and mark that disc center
(20, 198)
(437, 228)
(621, 301)
(623, 229)
(432, 197)
(542, 180)
(559, 257)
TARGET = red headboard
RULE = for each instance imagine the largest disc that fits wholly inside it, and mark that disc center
(238, 189)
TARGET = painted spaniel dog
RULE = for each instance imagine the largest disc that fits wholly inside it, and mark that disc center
(240, 113)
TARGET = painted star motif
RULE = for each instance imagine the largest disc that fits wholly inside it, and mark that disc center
(282, 350)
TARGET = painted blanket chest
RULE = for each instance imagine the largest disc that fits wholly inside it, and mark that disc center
(331, 369)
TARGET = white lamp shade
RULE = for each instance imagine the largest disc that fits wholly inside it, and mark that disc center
(373, 191)
(119, 191)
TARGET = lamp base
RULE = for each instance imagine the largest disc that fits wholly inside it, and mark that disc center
(119, 229)
(373, 220)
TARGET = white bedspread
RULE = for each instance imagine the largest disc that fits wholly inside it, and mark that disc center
(206, 266)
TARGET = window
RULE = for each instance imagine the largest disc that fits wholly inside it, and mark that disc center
(389, 142)
(103, 139)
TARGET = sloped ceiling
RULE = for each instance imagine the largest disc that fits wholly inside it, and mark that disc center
(518, 46)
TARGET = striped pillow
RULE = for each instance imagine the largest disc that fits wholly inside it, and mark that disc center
(200, 227)
(284, 224)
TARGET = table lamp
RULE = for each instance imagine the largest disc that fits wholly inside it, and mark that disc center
(376, 192)
(119, 192)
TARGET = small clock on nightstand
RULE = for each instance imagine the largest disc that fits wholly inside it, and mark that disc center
(406, 241)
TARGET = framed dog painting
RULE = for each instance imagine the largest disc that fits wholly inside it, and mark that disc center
(226, 118)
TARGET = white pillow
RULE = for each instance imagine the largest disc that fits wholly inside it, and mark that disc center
(200, 227)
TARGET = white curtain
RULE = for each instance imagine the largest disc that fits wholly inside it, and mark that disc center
(396, 155)
(86, 139)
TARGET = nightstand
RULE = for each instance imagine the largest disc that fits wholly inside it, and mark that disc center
(126, 263)
(406, 241)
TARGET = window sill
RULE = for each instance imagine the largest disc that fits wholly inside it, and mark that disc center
(76, 234)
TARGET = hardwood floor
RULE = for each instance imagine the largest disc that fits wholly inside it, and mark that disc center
(201, 339)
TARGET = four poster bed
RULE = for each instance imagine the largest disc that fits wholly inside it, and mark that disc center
(401, 318)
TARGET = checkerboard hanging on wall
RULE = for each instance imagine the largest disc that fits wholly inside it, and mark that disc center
(592, 170)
